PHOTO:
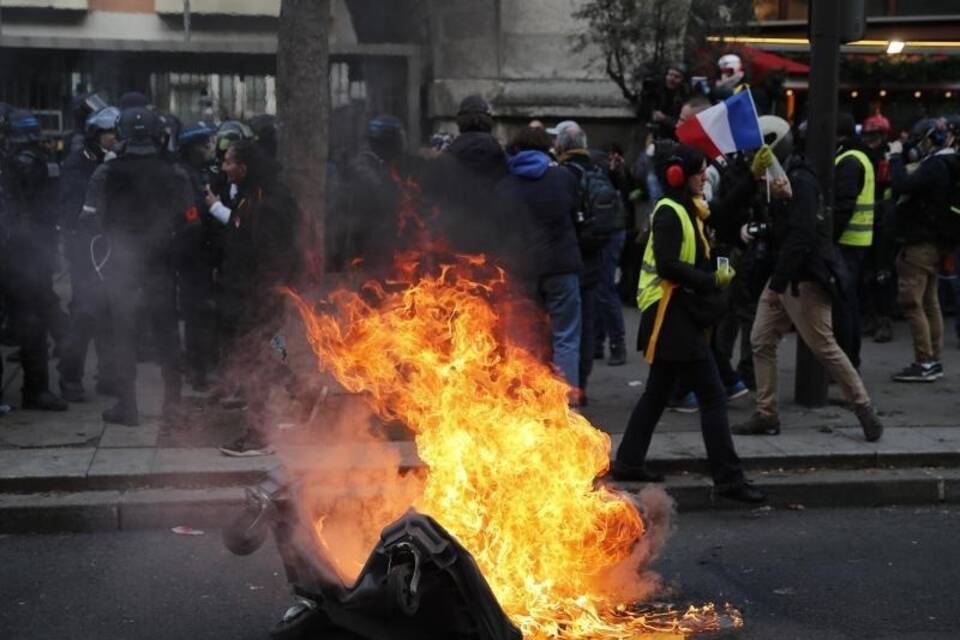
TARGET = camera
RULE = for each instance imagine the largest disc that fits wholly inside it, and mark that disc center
(758, 229)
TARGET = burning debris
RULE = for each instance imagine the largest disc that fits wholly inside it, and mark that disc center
(512, 471)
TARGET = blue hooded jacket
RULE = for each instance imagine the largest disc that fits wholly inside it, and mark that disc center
(539, 208)
(529, 164)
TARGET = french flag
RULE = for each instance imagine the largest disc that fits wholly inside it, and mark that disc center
(726, 127)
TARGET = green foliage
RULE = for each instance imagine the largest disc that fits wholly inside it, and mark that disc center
(884, 70)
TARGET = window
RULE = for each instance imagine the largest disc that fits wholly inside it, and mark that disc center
(767, 10)
(926, 7)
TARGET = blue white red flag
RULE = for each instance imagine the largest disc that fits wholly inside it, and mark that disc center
(726, 127)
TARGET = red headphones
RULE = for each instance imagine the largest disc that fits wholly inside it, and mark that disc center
(676, 176)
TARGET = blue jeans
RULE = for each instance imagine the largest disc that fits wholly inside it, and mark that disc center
(608, 321)
(561, 298)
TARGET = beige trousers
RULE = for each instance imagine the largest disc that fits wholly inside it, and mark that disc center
(810, 313)
(917, 295)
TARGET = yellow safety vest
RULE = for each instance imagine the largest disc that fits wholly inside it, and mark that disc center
(859, 232)
(652, 288)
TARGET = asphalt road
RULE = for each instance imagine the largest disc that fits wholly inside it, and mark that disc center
(826, 574)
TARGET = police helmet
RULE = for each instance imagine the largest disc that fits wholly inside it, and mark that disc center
(232, 131)
(199, 133)
(385, 128)
(103, 120)
(139, 129)
(85, 105)
(23, 127)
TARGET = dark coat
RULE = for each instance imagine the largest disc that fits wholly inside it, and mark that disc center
(730, 208)
(681, 339)
(592, 257)
(75, 175)
(539, 209)
(929, 189)
(480, 154)
(260, 255)
(803, 248)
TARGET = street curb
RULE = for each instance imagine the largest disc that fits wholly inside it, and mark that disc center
(214, 508)
(221, 478)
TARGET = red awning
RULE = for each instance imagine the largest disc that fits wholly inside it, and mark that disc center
(763, 62)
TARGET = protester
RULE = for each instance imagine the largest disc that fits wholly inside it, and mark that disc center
(881, 287)
(666, 98)
(596, 199)
(259, 257)
(677, 289)
(853, 222)
(799, 294)
(925, 196)
(541, 201)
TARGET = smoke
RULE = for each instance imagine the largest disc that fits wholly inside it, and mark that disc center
(355, 486)
(632, 580)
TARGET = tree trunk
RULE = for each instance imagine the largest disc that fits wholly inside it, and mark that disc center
(303, 109)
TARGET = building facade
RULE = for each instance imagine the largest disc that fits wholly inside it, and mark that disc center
(215, 59)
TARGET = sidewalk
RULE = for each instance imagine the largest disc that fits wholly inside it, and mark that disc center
(76, 452)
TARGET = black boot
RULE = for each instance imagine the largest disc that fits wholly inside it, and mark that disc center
(72, 391)
(629, 473)
(742, 492)
(120, 414)
(618, 356)
(44, 401)
(884, 332)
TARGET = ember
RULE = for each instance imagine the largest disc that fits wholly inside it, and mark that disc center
(511, 469)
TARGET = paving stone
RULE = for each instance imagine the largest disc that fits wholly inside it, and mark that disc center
(902, 441)
(48, 429)
(44, 463)
(118, 436)
(122, 462)
(943, 438)
(185, 461)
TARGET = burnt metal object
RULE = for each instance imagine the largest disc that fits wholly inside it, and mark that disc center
(418, 582)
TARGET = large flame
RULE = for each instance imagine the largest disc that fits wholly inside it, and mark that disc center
(511, 469)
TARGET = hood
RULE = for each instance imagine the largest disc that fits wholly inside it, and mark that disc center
(480, 153)
(529, 164)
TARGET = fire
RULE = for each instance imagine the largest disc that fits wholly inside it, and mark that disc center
(512, 470)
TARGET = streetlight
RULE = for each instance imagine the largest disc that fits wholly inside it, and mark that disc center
(895, 46)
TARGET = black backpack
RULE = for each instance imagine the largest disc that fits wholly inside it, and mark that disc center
(947, 220)
(600, 213)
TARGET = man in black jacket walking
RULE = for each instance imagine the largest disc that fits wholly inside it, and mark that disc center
(924, 196)
(799, 294)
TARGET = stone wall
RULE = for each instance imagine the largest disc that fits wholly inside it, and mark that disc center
(518, 54)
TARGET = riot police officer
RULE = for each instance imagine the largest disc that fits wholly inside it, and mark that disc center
(136, 202)
(197, 256)
(88, 304)
(29, 184)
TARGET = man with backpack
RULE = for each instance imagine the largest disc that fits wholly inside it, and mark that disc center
(600, 219)
(924, 221)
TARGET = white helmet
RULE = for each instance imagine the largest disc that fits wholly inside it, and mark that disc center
(730, 61)
(776, 133)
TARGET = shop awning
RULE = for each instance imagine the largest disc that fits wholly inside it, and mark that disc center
(762, 63)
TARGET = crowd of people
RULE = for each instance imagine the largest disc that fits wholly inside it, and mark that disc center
(160, 225)
(163, 225)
